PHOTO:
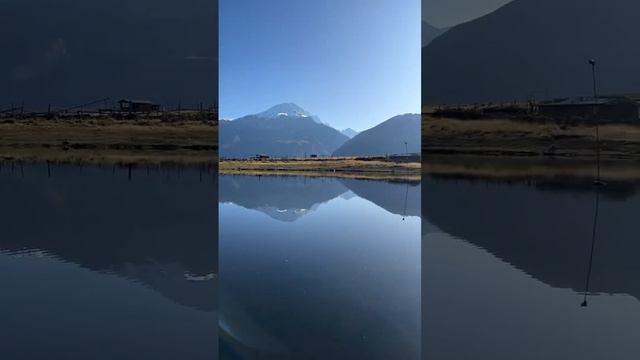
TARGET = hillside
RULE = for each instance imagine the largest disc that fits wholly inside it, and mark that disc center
(386, 138)
(535, 48)
(430, 33)
(67, 53)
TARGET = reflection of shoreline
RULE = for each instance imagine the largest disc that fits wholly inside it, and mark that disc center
(326, 174)
(510, 168)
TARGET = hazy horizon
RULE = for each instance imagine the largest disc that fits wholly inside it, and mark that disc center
(354, 64)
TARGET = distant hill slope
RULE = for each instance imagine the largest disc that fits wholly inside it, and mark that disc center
(349, 132)
(535, 48)
(430, 33)
(386, 138)
(68, 52)
(278, 134)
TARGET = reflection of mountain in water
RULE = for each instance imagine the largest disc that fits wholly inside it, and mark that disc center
(288, 198)
(284, 198)
(397, 198)
(159, 230)
(614, 191)
(544, 230)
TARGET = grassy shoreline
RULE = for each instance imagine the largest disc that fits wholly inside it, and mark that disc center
(485, 148)
(494, 137)
(107, 140)
(357, 168)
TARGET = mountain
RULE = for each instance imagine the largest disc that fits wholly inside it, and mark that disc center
(288, 109)
(73, 52)
(535, 48)
(386, 138)
(349, 132)
(284, 130)
(430, 33)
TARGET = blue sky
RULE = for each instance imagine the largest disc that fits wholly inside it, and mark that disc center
(354, 63)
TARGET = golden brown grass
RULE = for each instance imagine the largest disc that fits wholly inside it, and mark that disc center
(512, 137)
(108, 140)
(335, 167)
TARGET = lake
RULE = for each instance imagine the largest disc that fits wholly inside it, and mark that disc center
(511, 269)
(319, 268)
(108, 262)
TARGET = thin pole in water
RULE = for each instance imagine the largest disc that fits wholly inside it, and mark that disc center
(593, 245)
(406, 197)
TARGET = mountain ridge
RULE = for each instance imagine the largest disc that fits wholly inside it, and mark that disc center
(281, 131)
(511, 54)
(386, 138)
(349, 132)
(430, 32)
(73, 52)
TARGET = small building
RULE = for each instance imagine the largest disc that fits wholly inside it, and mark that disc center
(262, 157)
(137, 106)
(404, 158)
(605, 109)
(314, 156)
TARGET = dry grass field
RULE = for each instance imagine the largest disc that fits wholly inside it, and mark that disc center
(109, 140)
(361, 168)
(521, 138)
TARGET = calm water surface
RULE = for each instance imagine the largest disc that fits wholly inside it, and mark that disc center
(96, 263)
(506, 270)
(319, 268)
(107, 263)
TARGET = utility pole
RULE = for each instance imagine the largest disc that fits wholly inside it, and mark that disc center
(597, 182)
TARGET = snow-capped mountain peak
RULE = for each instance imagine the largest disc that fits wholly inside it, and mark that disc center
(286, 109)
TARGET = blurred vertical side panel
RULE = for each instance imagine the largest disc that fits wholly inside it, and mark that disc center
(108, 179)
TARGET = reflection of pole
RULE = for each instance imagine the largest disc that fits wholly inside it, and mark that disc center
(593, 245)
(406, 196)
